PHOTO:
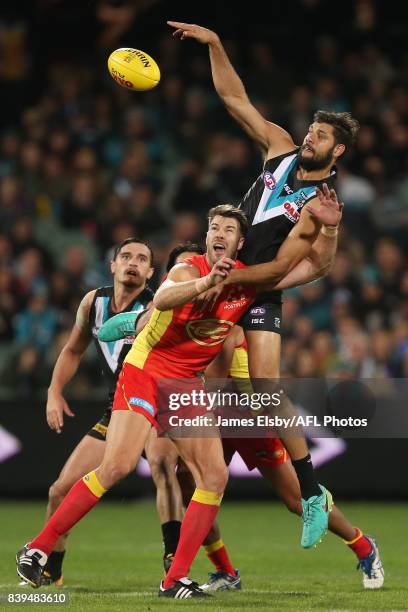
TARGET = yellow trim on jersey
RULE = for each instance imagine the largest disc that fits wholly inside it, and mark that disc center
(211, 548)
(93, 484)
(149, 337)
(207, 497)
(239, 363)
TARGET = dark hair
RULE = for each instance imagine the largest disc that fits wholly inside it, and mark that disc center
(187, 247)
(228, 210)
(345, 127)
(120, 246)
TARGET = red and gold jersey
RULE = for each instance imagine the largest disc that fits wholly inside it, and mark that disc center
(180, 342)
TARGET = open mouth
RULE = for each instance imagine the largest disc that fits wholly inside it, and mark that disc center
(307, 148)
(219, 248)
(132, 273)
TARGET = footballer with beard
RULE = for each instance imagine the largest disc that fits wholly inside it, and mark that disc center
(281, 209)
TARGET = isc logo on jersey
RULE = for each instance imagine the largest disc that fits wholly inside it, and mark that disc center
(208, 332)
(269, 180)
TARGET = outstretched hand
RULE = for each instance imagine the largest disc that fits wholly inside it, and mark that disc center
(191, 30)
(330, 210)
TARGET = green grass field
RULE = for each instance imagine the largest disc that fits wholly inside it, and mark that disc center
(114, 559)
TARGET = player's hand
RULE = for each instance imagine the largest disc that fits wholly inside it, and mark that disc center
(207, 299)
(220, 271)
(191, 30)
(330, 211)
(56, 407)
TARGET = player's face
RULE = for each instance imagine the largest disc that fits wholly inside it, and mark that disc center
(224, 238)
(319, 149)
(132, 266)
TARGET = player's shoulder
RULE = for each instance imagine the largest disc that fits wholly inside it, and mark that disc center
(194, 262)
(105, 290)
(276, 158)
(186, 270)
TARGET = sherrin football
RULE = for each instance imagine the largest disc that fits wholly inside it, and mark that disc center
(133, 69)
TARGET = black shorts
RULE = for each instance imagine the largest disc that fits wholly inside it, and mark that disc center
(100, 428)
(265, 314)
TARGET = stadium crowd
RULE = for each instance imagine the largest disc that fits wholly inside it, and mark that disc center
(89, 164)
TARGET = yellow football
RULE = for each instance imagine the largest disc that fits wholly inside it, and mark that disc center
(133, 69)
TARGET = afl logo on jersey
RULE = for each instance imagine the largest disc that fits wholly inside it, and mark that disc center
(269, 180)
(208, 332)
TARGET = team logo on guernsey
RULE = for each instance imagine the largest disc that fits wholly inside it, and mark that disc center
(208, 332)
(269, 180)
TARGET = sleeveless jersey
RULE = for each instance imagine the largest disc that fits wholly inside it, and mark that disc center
(181, 342)
(273, 205)
(112, 354)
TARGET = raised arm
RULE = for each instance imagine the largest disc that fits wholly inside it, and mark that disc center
(273, 139)
(67, 365)
(184, 283)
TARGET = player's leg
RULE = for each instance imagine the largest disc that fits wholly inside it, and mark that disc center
(316, 500)
(283, 479)
(86, 456)
(213, 543)
(126, 437)
(162, 456)
(127, 434)
(226, 576)
(204, 458)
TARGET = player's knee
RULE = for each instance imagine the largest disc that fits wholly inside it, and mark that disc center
(162, 469)
(114, 471)
(215, 480)
(57, 492)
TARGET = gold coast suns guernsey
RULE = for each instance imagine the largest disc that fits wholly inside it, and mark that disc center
(181, 342)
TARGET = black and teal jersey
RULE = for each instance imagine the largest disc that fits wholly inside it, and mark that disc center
(273, 205)
(112, 354)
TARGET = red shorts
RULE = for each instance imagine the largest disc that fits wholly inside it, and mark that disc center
(136, 390)
(150, 395)
(256, 452)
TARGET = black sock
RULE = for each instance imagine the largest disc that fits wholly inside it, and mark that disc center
(171, 536)
(54, 564)
(306, 476)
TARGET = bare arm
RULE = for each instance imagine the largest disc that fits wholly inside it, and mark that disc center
(317, 264)
(184, 283)
(273, 139)
(221, 364)
(323, 251)
(297, 249)
(67, 365)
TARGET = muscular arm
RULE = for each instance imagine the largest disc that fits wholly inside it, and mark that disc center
(296, 247)
(317, 264)
(306, 254)
(67, 365)
(273, 139)
(184, 283)
(78, 341)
